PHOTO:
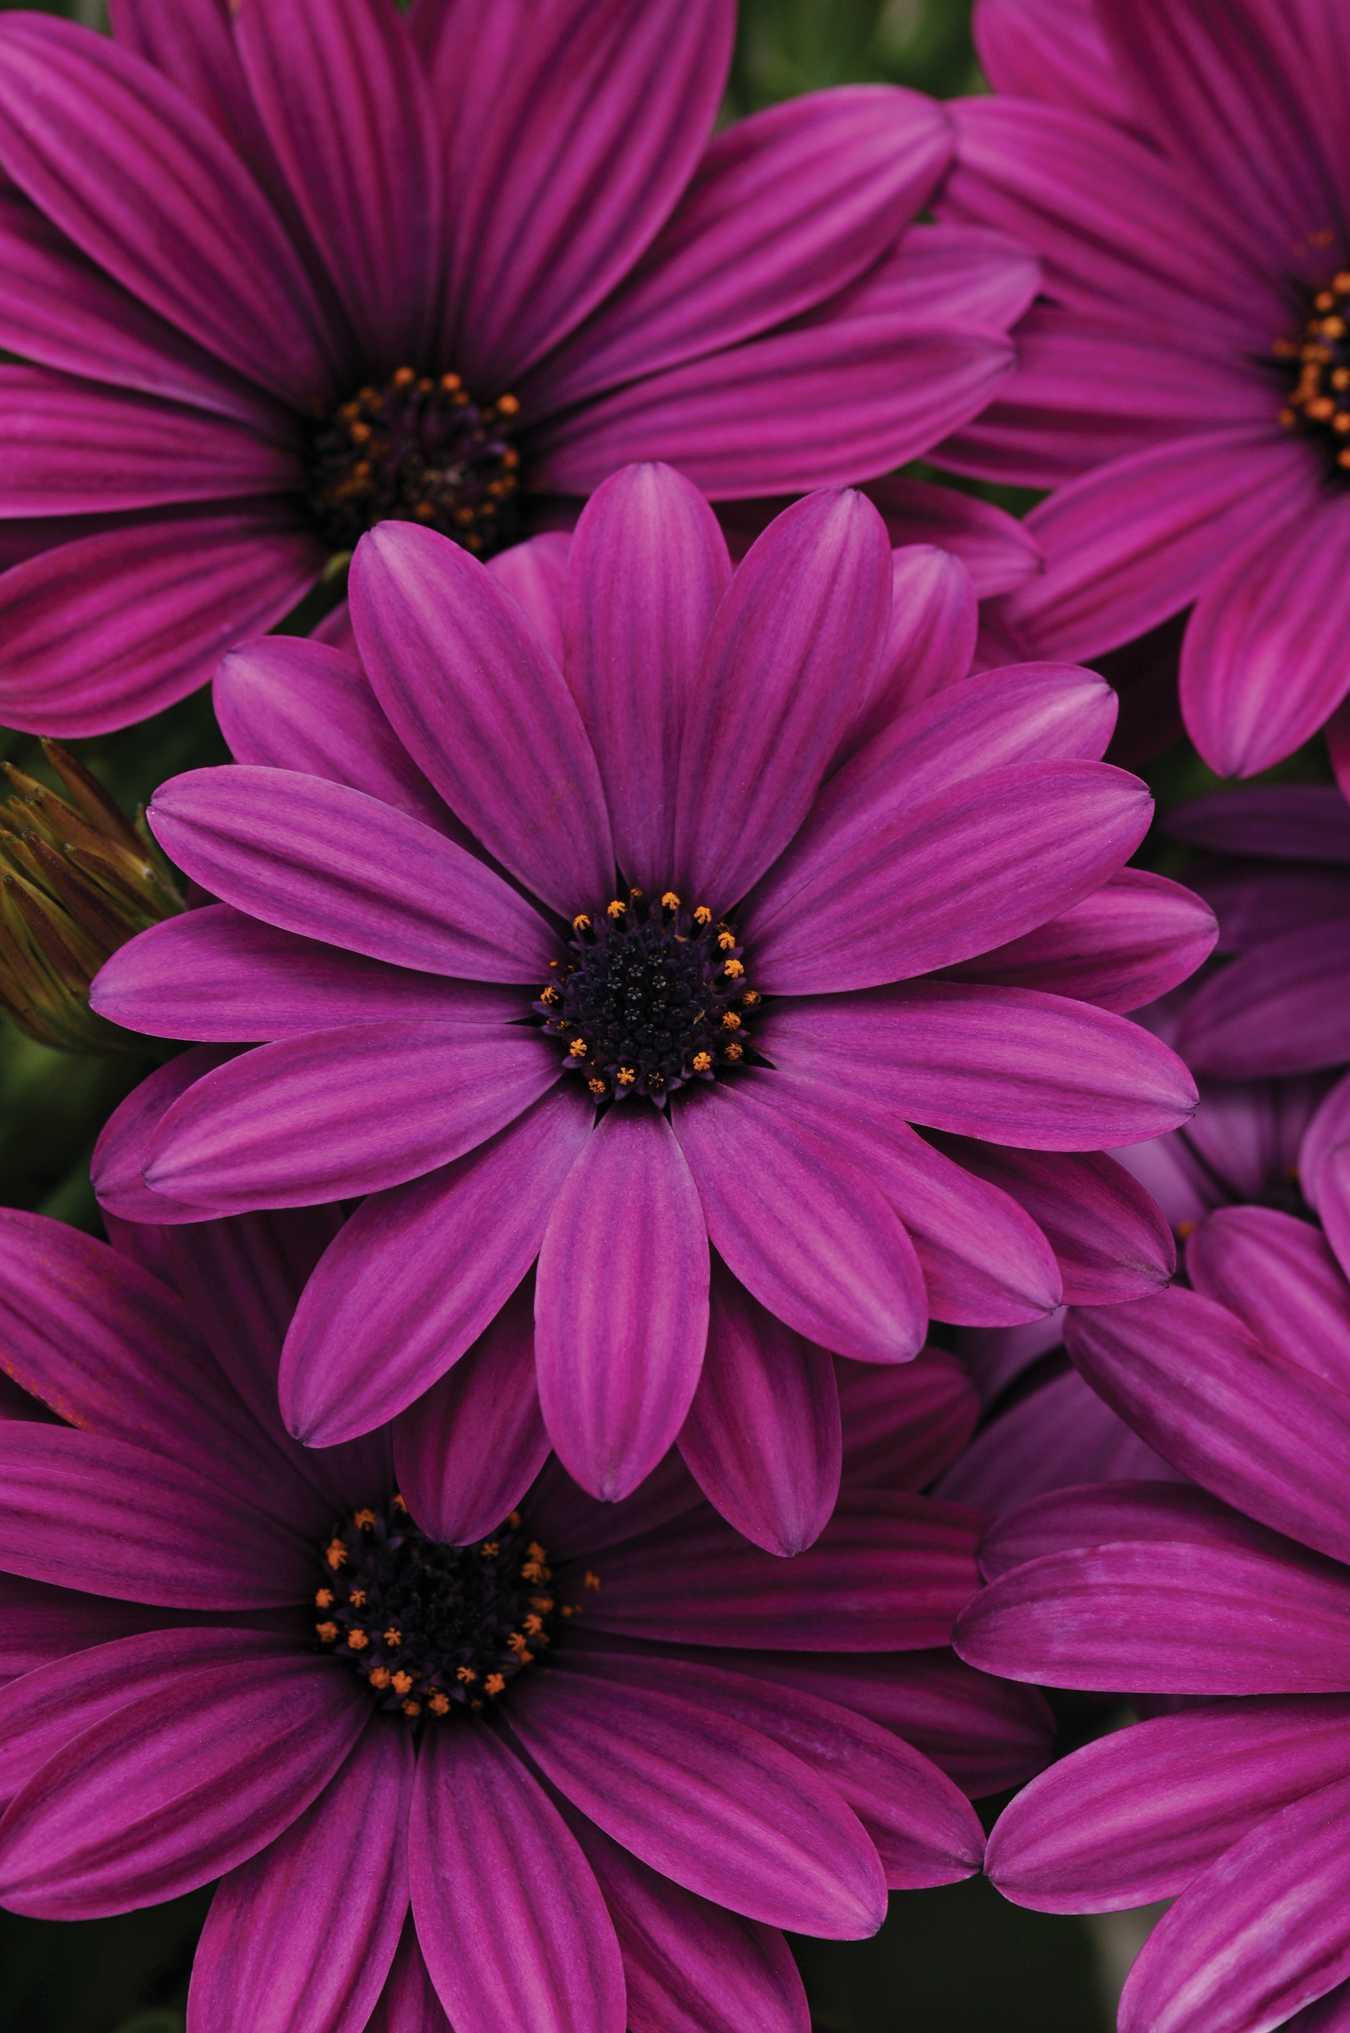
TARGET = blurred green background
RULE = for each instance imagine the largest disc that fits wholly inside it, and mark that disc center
(955, 1961)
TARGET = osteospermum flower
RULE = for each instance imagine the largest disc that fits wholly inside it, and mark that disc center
(583, 1769)
(1184, 387)
(276, 272)
(732, 915)
(1235, 1595)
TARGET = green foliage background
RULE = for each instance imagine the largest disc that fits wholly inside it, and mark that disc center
(957, 1961)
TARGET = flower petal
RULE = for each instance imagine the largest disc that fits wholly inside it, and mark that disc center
(1282, 1008)
(180, 1786)
(483, 710)
(993, 546)
(114, 626)
(801, 1227)
(1278, 1276)
(1058, 1434)
(1005, 1065)
(1259, 1431)
(899, 889)
(118, 1164)
(290, 702)
(364, 1344)
(647, 568)
(621, 1303)
(784, 210)
(333, 864)
(1262, 1932)
(217, 975)
(902, 1429)
(147, 186)
(1135, 1816)
(304, 1933)
(1261, 669)
(510, 1920)
(335, 1113)
(1111, 1240)
(791, 658)
(763, 1438)
(707, 1801)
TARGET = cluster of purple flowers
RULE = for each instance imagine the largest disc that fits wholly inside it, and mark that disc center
(698, 1232)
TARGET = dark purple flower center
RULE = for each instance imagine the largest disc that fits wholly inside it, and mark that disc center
(420, 448)
(1318, 404)
(650, 994)
(431, 1629)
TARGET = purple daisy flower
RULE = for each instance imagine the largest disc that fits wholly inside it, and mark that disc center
(1234, 1595)
(743, 898)
(595, 1748)
(1184, 386)
(276, 273)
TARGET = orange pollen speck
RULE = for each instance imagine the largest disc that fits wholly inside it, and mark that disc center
(323, 1598)
(393, 1636)
(494, 1683)
(380, 1677)
(336, 1555)
(365, 1519)
(590, 1580)
(327, 1633)
(401, 1682)
(357, 1640)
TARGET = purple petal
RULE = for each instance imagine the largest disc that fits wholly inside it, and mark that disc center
(217, 975)
(925, 1830)
(1059, 1434)
(333, 864)
(1006, 1065)
(1097, 1514)
(1041, 49)
(763, 1438)
(123, 1147)
(44, 1625)
(195, 48)
(931, 641)
(468, 1451)
(69, 447)
(292, 703)
(365, 1344)
(144, 184)
(305, 1933)
(647, 568)
(509, 1917)
(197, 1775)
(707, 1801)
(785, 209)
(483, 710)
(621, 1303)
(992, 545)
(690, 1966)
(1283, 1008)
(535, 575)
(899, 890)
(1111, 1240)
(1132, 941)
(1282, 822)
(1165, 1618)
(1261, 1933)
(1266, 1435)
(890, 1573)
(350, 119)
(336, 1113)
(902, 1428)
(117, 625)
(1278, 1276)
(572, 135)
(91, 1512)
(790, 660)
(1137, 1815)
(409, 2004)
(801, 1227)
(1261, 669)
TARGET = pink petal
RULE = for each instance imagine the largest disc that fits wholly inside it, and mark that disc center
(535, 575)
(305, 1932)
(1111, 1241)
(647, 568)
(902, 1428)
(510, 1920)
(1278, 1276)
(992, 545)
(1281, 1008)
(483, 710)
(363, 1345)
(331, 863)
(934, 618)
(1059, 1434)
(762, 1438)
(118, 1164)
(115, 626)
(621, 1303)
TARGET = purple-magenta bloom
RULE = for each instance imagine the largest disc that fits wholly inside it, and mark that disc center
(1184, 386)
(626, 932)
(274, 273)
(1234, 1595)
(531, 1777)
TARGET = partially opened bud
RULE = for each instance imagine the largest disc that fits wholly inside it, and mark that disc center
(77, 880)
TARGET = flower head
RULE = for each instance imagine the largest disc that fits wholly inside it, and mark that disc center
(1184, 385)
(77, 880)
(643, 931)
(1236, 1595)
(471, 1772)
(275, 274)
